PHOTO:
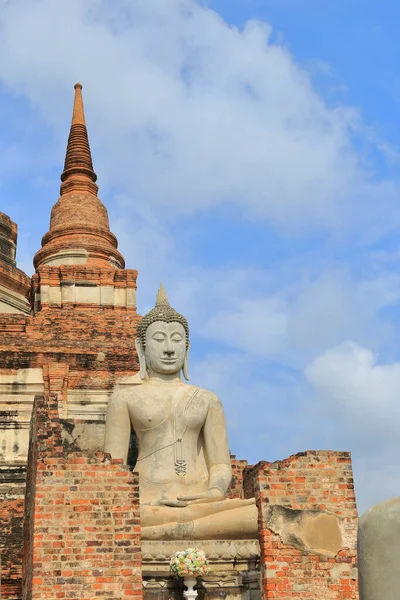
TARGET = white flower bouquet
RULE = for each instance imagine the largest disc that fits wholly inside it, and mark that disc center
(191, 562)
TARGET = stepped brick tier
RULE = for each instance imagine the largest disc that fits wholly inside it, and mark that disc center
(67, 340)
(15, 286)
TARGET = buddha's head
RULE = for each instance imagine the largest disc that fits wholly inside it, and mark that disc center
(162, 341)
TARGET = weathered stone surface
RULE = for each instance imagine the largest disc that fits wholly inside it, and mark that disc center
(379, 551)
(308, 530)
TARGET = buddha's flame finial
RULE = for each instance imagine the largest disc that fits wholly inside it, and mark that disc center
(78, 175)
(162, 298)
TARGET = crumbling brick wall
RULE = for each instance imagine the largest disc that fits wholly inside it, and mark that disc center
(236, 487)
(309, 481)
(82, 519)
(12, 492)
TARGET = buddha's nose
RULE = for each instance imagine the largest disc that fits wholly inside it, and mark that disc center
(168, 349)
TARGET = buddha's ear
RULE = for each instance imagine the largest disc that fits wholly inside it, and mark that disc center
(141, 357)
(185, 369)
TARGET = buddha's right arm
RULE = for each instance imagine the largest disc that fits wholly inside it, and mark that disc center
(118, 427)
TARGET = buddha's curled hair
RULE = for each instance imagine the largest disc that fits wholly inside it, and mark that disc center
(164, 312)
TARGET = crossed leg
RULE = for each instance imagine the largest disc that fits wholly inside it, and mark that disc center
(229, 519)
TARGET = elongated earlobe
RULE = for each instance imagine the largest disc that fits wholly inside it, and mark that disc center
(185, 369)
(141, 357)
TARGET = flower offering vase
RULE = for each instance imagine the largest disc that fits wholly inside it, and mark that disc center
(190, 581)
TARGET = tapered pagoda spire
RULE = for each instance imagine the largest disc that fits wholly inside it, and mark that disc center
(79, 227)
(78, 171)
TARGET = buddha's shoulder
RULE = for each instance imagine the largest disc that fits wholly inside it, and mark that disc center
(201, 395)
(129, 381)
(207, 395)
(126, 387)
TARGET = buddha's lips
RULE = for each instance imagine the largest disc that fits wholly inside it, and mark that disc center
(169, 361)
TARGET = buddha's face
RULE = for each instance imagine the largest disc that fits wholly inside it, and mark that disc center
(165, 347)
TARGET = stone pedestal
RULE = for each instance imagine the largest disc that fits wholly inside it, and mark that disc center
(234, 570)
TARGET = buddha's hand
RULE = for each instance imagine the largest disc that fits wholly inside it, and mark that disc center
(211, 495)
(178, 502)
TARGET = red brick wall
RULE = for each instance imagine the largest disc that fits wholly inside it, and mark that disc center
(82, 526)
(11, 277)
(315, 480)
(236, 487)
(11, 522)
(96, 345)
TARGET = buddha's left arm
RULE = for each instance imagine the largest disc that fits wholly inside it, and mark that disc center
(216, 447)
(217, 455)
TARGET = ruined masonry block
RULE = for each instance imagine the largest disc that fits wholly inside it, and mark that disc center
(82, 522)
(307, 526)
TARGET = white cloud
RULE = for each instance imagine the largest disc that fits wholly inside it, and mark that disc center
(258, 326)
(284, 313)
(361, 398)
(354, 385)
(335, 306)
(187, 112)
(147, 245)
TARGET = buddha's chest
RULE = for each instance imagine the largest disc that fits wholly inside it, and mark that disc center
(165, 410)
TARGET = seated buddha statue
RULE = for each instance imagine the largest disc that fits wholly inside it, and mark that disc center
(184, 461)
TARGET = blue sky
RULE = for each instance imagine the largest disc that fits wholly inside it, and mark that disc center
(248, 155)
